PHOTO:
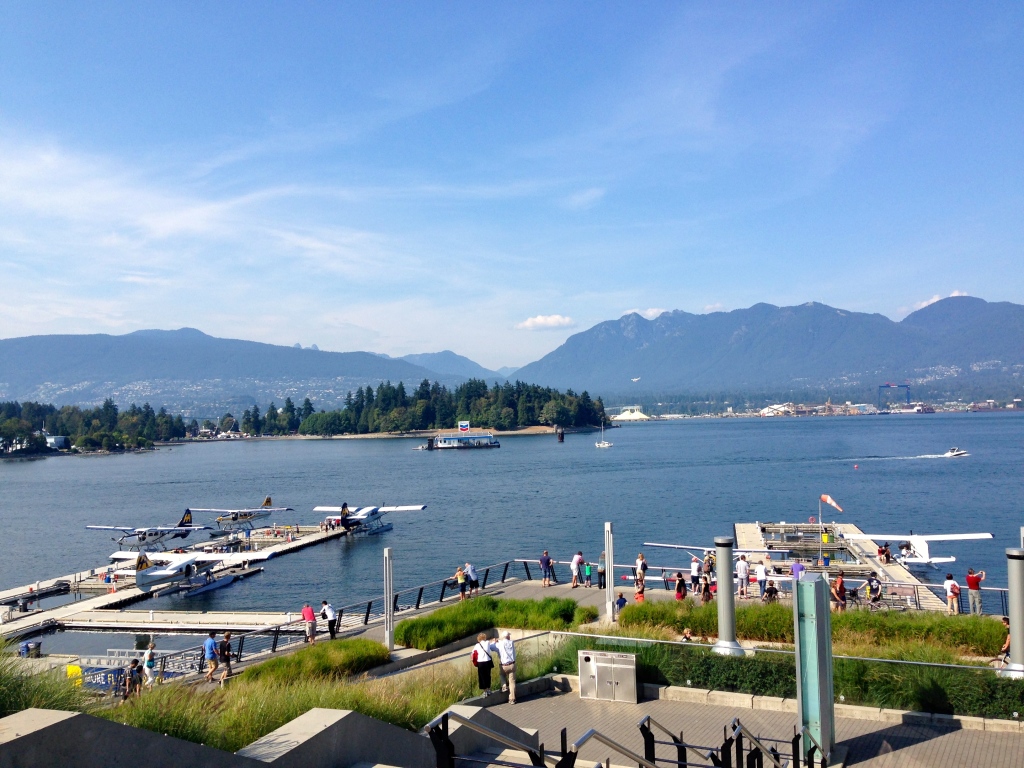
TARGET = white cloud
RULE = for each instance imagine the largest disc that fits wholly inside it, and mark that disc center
(716, 307)
(545, 323)
(650, 313)
(927, 302)
(958, 293)
(584, 199)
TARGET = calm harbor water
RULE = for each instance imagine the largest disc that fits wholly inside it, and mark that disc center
(678, 482)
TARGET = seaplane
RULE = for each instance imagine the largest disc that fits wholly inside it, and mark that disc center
(914, 549)
(230, 520)
(190, 572)
(635, 380)
(364, 521)
(151, 539)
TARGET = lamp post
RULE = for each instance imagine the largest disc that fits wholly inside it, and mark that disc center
(726, 645)
(1015, 578)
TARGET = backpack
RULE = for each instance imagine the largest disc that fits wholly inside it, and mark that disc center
(474, 659)
(643, 566)
(954, 590)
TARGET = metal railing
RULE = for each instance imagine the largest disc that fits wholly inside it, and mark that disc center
(269, 640)
(437, 731)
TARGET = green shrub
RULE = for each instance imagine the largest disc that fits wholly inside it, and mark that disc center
(331, 659)
(20, 690)
(469, 617)
(976, 635)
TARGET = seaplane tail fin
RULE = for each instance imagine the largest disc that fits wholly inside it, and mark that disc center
(267, 502)
(142, 562)
(186, 519)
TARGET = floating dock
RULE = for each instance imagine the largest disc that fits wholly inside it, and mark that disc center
(803, 542)
(272, 541)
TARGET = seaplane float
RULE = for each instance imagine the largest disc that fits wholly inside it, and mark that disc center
(364, 521)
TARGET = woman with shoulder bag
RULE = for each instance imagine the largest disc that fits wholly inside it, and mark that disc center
(483, 662)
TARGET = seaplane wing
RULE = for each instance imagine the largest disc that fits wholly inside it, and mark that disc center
(914, 536)
(408, 508)
(122, 528)
(263, 511)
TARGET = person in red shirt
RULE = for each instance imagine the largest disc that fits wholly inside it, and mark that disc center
(974, 589)
(310, 618)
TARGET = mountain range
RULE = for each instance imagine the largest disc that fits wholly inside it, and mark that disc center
(956, 341)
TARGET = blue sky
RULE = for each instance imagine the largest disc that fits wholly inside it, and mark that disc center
(490, 178)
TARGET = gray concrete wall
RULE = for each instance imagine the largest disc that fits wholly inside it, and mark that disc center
(42, 738)
(338, 738)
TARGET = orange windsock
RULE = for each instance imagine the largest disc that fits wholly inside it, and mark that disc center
(830, 501)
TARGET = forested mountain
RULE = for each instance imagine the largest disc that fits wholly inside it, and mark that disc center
(959, 341)
(186, 370)
(455, 365)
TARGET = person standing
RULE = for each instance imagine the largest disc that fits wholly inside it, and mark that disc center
(709, 564)
(460, 579)
(974, 589)
(328, 614)
(149, 665)
(796, 570)
(483, 662)
(761, 574)
(601, 566)
(694, 573)
(210, 656)
(620, 603)
(587, 569)
(310, 618)
(1005, 650)
(641, 566)
(473, 579)
(680, 586)
(574, 567)
(545, 569)
(742, 576)
(839, 592)
(952, 595)
(705, 590)
(506, 651)
(132, 681)
(224, 656)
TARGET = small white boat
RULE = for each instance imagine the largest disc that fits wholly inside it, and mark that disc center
(953, 453)
(602, 443)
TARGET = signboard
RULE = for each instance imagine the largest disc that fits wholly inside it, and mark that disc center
(463, 426)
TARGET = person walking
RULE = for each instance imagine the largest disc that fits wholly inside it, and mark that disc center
(695, 568)
(974, 590)
(952, 595)
(460, 578)
(601, 567)
(545, 569)
(149, 665)
(328, 614)
(506, 651)
(481, 658)
(761, 574)
(742, 576)
(224, 656)
(310, 618)
(210, 656)
(1005, 650)
(473, 579)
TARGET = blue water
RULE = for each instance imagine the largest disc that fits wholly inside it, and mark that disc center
(681, 482)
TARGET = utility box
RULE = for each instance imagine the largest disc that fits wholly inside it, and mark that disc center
(607, 676)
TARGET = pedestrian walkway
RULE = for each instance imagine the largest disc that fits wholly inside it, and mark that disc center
(872, 744)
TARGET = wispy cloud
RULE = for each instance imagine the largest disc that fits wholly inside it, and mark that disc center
(935, 298)
(584, 199)
(716, 307)
(545, 323)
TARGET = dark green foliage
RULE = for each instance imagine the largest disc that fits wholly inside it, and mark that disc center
(432, 406)
(330, 659)
(976, 635)
(468, 617)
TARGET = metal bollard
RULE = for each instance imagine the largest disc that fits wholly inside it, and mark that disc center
(726, 645)
(1015, 579)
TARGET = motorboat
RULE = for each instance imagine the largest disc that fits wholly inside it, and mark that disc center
(954, 453)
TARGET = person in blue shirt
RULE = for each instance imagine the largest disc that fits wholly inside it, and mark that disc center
(620, 604)
(210, 656)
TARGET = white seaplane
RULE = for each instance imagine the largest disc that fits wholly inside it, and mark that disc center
(151, 539)
(365, 521)
(230, 520)
(915, 549)
(182, 571)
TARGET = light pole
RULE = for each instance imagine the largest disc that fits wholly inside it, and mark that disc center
(726, 645)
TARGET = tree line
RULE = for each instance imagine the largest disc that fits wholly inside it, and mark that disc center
(506, 406)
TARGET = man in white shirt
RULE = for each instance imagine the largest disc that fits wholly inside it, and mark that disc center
(761, 574)
(695, 568)
(742, 576)
(506, 651)
(330, 615)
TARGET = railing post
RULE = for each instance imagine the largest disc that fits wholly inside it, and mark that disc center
(483, 584)
(796, 749)
(277, 635)
(739, 744)
(419, 598)
(366, 618)
(680, 750)
(726, 753)
(565, 742)
(526, 567)
(241, 642)
(645, 731)
(504, 571)
(443, 747)
(444, 586)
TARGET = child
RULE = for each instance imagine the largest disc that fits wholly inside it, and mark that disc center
(586, 574)
(620, 604)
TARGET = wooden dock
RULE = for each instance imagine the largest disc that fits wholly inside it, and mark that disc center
(123, 592)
